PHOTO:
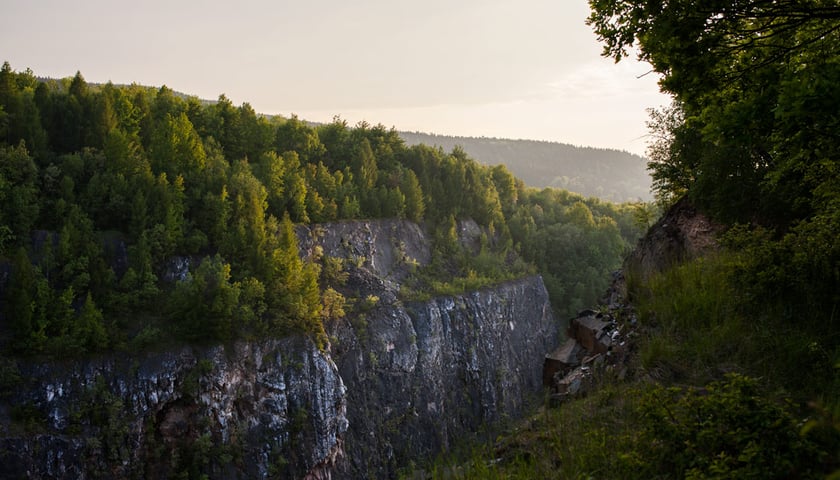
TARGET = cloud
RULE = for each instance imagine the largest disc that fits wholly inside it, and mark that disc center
(604, 78)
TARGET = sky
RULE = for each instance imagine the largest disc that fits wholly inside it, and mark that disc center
(528, 69)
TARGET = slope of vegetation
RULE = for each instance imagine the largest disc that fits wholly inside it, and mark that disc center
(737, 370)
(717, 388)
(102, 187)
(612, 175)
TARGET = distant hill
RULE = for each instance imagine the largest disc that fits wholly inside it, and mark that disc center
(608, 174)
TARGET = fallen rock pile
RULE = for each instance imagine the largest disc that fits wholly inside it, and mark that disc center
(598, 340)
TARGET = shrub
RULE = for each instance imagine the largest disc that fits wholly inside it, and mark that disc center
(726, 430)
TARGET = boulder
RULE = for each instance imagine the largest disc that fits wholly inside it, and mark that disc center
(592, 332)
(565, 358)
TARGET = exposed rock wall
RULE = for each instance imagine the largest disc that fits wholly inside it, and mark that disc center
(421, 375)
(245, 411)
(409, 379)
(682, 233)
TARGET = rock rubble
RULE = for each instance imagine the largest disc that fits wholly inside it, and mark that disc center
(598, 340)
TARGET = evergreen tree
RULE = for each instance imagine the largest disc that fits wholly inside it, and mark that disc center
(415, 206)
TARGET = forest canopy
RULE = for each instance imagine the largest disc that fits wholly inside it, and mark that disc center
(611, 175)
(103, 186)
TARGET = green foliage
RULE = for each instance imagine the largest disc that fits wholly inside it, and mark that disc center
(103, 186)
(703, 319)
(28, 417)
(332, 271)
(205, 303)
(10, 378)
(333, 305)
(799, 269)
(726, 430)
(751, 133)
(577, 243)
(610, 175)
(18, 194)
(88, 327)
(104, 411)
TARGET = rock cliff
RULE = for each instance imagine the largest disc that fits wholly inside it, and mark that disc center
(422, 374)
(244, 411)
(402, 381)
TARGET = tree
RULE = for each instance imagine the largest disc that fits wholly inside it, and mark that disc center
(739, 72)
(685, 41)
(364, 167)
(203, 305)
(246, 231)
(415, 206)
(168, 224)
(673, 153)
(176, 148)
(295, 188)
(18, 193)
(20, 308)
(271, 170)
(88, 330)
(257, 133)
(19, 116)
(294, 135)
(506, 185)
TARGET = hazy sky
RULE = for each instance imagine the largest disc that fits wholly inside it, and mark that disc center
(515, 69)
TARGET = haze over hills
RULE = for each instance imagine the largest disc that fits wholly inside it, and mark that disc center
(609, 174)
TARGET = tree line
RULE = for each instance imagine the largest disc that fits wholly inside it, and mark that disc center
(91, 175)
(608, 174)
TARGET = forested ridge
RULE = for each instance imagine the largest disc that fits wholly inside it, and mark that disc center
(608, 174)
(90, 174)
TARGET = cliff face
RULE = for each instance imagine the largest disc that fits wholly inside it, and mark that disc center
(243, 411)
(401, 383)
(425, 374)
(420, 375)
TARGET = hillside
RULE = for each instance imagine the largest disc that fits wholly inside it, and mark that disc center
(608, 174)
(732, 366)
(678, 373)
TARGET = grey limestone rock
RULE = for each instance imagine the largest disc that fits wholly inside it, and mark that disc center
(251, 409)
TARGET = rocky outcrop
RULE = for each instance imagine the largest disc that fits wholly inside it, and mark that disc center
(422, 374)
(385, 249)
(682, 233)
(250, 410)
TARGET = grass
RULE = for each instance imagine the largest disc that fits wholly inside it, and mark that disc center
(700, 326)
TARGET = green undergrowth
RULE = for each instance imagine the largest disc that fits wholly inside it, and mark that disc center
(721, 386)
(701, 322)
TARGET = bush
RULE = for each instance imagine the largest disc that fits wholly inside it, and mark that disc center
(726, 430)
